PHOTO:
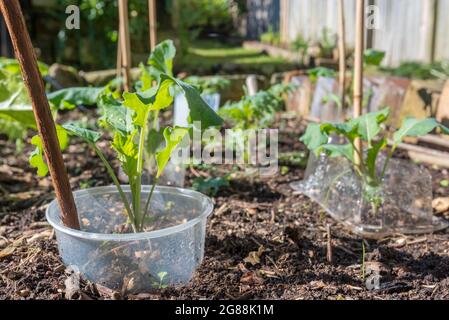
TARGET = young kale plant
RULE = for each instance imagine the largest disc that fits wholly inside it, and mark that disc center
(127, 117)
(258, 111)
(368, 129)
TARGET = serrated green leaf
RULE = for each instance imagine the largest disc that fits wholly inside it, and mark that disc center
(127, 152)
(163, 98)
(373, 57)
(371, 157)
(173, 137)
(116, 116)
(199, 109)
(412, 127)
(155, 141)
(139, 105)
(348, 129)
(36, 159)
(86, 134)
(369, 124)
(314, 137)
(69, 98)
(337, 150)
(161, 59)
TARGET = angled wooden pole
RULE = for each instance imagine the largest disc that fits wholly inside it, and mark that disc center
(342, 51)
(125, 45)
(33, 81)
(358, 68)
(152, 20)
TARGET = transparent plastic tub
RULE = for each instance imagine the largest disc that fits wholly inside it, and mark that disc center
(167, 254)
(404, 198)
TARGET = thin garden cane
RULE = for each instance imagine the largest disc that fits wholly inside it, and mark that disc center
(358, 71)
(152, 23)
(125, 46)
(26, 57)
(342, 51)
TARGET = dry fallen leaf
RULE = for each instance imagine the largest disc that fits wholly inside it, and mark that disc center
(440, 204)
(254, 256)
(7, 251)
(251, 277)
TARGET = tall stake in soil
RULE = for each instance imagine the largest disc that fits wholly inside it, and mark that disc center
(33, 81)
(358, 70)
(342, 51)
(152, 18)
(125, 46)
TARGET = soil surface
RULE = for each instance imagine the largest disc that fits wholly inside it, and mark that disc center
(263, 241)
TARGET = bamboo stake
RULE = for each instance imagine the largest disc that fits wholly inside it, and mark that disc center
(118, 73)
(342, 51)
(358, 69)
(152, 16)
(125, 43)
(33, 81)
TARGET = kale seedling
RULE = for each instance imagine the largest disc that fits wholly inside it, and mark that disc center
(368, 129)
(127, 117)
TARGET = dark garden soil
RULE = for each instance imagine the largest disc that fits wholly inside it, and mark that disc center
(263, 241)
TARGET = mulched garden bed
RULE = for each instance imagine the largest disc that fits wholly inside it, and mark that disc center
(263, 242)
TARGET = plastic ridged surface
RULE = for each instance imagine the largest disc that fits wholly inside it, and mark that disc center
(174, 249)
(406, 194)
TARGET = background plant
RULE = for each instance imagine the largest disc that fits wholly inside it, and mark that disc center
(257, 111)
(368, 129)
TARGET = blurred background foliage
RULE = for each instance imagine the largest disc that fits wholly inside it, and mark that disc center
(94, 46)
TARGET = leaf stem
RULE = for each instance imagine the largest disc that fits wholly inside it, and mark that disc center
(117, 184)
(147, 204)
(390, 154)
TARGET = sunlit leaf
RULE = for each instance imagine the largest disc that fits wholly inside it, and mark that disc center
(412, 127)
(173, 137)
(337, 150)
(36, 159)
(199, 109)
(71, 97)
(85, 134)
(161, 59)
(314, 137)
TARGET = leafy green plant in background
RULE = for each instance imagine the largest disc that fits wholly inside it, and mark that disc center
(328, 42)
(371, 58)
(210, 185)
(257, 111)
(424, 71)
(368, 129)
(126, 119)
(192, 17)
(208, 85)
(271, 37)
(16, 115)
(301, 45)
(319, 72)
(98, 34)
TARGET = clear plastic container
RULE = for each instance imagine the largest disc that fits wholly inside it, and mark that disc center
(168, 254)
(402, 203)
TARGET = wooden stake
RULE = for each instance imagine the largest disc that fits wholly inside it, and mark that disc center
(342, 50)
(125, 46)
(329, 243)
(33, 81)
(152, 20)
(119, 57)
(358, 69)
